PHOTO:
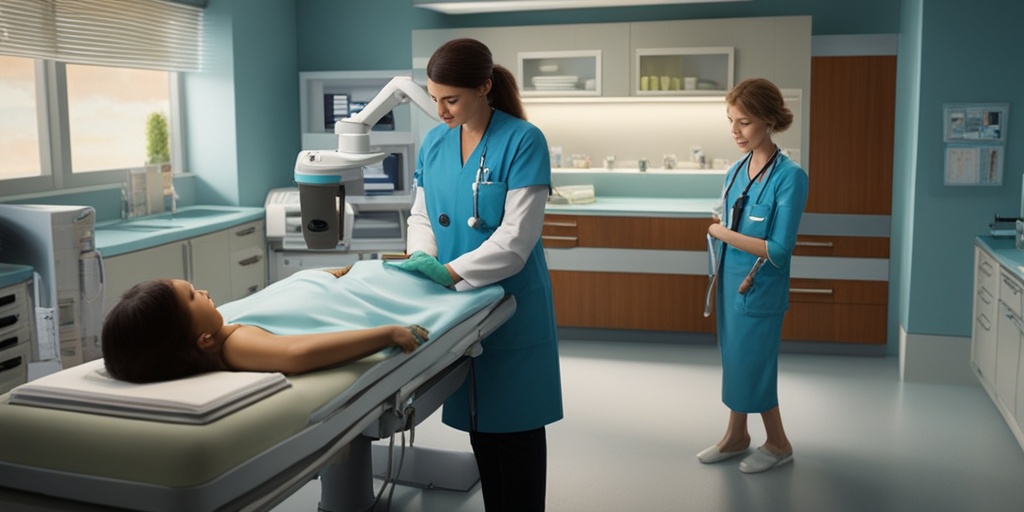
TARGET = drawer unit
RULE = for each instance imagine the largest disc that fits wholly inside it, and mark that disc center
(16, 327)
(836, 310)
(1011, 291)
(659, 233)
(248, 259)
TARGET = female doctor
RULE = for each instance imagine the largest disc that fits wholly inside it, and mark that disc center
(482, 182)
(764, 198)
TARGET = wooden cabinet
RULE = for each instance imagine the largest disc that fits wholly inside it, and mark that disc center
(853, 113)
(609, 285)
(229, 263)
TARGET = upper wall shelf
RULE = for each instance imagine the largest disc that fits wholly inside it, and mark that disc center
(565, 73)
(683, 71)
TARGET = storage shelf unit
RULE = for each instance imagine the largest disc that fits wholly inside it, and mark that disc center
(564, 73)
(683, 71)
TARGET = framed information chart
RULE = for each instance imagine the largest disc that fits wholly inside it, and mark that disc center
(975, 142)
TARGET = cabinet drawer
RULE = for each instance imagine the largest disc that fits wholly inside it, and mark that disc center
(687, 234)
(612, 300)
(248, 271)
(846, 246)
(15, 300)
(838, 291)
(986, 271)
(1011, 290)
(247, 235)
(14, 366)
(846, 323)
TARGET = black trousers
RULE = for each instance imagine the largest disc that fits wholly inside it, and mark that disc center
(513, 469)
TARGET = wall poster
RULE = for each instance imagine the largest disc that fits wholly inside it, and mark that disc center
(975, 141)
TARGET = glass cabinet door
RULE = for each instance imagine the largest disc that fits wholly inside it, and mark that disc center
(569, 73)
(683, 71)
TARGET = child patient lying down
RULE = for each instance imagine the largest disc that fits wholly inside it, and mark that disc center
(165, 329)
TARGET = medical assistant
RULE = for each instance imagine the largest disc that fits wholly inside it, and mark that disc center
(515, 384)
(750, 324)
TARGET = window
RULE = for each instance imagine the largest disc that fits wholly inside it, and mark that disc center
(81, 84)
(108, 110)
(19, 123)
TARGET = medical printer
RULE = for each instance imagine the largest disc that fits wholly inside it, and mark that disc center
(370, 224)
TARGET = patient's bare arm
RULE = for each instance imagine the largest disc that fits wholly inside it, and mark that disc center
(250, 348)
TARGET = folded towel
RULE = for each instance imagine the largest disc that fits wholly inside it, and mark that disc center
(196, 400)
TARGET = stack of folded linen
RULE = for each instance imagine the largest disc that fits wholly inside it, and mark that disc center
(196, 400)
(572, 194)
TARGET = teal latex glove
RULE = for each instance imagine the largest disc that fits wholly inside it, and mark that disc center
(427, 265)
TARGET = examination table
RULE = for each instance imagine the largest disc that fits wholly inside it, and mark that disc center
(254, 457)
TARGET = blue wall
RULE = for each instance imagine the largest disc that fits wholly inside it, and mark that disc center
(243, 108)
(966, 53)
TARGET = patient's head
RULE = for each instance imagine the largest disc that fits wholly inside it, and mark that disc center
(150, 334)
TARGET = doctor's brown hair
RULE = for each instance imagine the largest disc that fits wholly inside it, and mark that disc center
(761, 99)
(468, 63)
(148, 336)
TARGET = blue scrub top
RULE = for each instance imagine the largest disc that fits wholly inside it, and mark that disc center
(750, 325)
(517, 378)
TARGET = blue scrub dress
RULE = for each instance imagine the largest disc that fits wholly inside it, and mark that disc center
(750, 324)
(517, 378)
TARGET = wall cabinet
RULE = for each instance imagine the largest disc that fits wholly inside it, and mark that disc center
(683, 71)
(567, 73)
(997, 345)
(229, 263)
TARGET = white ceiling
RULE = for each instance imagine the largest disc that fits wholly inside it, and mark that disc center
(474, 7)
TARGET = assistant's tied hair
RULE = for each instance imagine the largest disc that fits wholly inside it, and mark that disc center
(468, 63)
(761, 99)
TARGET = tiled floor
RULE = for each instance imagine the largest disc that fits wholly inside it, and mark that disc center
(637, 413)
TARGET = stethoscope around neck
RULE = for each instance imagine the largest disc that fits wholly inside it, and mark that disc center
(482, 171)
(741, 201)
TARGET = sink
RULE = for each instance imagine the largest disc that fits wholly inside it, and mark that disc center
(193, 213)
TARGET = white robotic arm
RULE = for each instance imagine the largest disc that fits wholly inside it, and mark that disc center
(322, 176)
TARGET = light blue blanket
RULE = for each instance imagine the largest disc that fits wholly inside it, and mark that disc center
(370, 295)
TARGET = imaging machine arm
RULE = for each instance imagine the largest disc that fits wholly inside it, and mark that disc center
(322, 176)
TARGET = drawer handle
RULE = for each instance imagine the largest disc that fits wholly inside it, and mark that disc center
(7, 299)
(8, 320)
(811, 291)
(1013, 286)
(8, 343)
(253, 289)
(10, 364)
(554, 237)
(985, 322)
(985, 268)
(560, 224)
(250, 261)
(814, 244)
(246, 232)
(985, 297)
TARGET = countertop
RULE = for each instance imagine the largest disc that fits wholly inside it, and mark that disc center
(1005, 252)
(13, 274)
(638, 207)
(128, 235)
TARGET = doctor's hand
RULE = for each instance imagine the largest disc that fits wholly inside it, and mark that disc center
(427, 265)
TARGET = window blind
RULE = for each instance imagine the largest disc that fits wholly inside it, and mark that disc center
(147, 34)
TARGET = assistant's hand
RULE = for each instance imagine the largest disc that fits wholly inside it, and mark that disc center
(427, 265)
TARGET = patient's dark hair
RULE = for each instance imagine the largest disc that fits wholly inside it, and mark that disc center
(468, 63)
(148, 336)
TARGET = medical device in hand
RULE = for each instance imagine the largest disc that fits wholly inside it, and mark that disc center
(475, 221)
(324, 177)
